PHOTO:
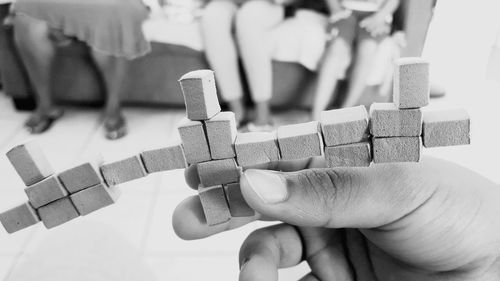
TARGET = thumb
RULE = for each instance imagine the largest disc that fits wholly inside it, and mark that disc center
(341, 198)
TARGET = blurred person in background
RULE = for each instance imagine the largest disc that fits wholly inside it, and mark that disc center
(253, 30)
(112, 30)
(360, 23)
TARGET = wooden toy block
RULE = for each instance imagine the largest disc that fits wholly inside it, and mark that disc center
(19, 218)
(46, 191)
(125, 170)
(57, 212)
(238, 207)
(164, 159)
(218, 172)
(256, 148)
(94, 198)
(221, 134)
(30, 163)
(194, 141)
(411, 83)
(386, 120)
(348, 155)
(213, 201)
(344, 126)
(446, 128)
(300, 141)
(81, 177)
(400, 149)
(200, 94)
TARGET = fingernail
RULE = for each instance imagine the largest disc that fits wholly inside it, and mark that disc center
(269, 186)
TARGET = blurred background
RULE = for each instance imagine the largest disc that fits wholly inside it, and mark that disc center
(98, 78)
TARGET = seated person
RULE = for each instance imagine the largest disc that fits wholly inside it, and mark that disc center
(261, 28)
(111, 28)
(364, 22)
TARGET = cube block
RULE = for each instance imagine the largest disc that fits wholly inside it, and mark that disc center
(164, 159)
(46, 191)
(389, 121)
(213, 201)
(19, 218)
(344, 126)
(58, 212)
(221, 134)
(400, 149)
(122, 171)
(94, 198)
(200, 94)
(411, 83)
(349, 155)
(30, 163)
(81, 177)
(256, 148)
(238, 207)
(218, 172)
(194, 141)
(300, 141)
(446, 128)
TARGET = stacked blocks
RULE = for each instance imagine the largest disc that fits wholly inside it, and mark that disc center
(446, 128)
(345, 133)
(256, 148)
(397, 128)
(300, 141)
(350, 137)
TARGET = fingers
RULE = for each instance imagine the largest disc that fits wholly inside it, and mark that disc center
(191, 175)
(309, 277)
(342, 198)
(268, 249)
(189, 221)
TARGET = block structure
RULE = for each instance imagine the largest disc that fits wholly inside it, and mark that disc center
(200, 94)
(256, 148)
(122, 171)
(398, 149)
(218, 172)
(58, 212)
(45, 191)
(19, 217)
(446, 128)
(81, 177)
(349, 155)
(215, 207)
(238, 207)
(411, 83)
(221, 134)
(164, 159)
(300, 141)
(94, 198)
(386, 120)
(344, 126)
(194, 141)
(30, 163)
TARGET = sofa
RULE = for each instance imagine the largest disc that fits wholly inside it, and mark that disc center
(152, 79)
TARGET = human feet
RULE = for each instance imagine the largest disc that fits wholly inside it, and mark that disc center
(42, 119)
(115, 126)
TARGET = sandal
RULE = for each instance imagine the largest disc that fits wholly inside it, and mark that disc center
(39, 123)
(115, 128)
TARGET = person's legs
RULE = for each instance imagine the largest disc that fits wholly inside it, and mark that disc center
(37, 53)
(113, 70)
(253, 22)
(336, 61)
(363, 62)
(222, 53)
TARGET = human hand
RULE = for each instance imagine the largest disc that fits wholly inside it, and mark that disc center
(432, 220)
(376, 24)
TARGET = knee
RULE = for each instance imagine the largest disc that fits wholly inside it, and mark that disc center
(254, 12)
(219, 12)
(28, 30)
